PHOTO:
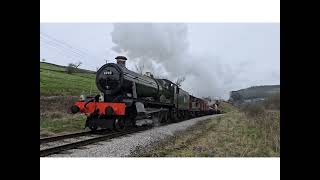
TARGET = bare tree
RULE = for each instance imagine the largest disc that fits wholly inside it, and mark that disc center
(180, 80)
(71, 68)
(139, 68)
(78, 64)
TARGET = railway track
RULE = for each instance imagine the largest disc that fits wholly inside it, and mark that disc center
(50, 145)
(57, 138)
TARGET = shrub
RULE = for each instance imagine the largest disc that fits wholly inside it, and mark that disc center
(71, 68)
(253, 110)
(268, 122)
(273, 102)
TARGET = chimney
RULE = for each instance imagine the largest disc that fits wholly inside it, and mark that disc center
(121, 60)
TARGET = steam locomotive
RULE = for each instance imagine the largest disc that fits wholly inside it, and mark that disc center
(128, 98)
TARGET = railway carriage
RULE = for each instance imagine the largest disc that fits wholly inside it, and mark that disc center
(194, 106)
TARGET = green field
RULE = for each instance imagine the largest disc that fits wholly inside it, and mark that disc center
(54, 80)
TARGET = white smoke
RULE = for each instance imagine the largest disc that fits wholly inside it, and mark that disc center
(164, 49)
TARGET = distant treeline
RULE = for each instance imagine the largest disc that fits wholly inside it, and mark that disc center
(254, 92)
(79, 70)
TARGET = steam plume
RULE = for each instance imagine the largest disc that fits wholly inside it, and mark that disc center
(164, 49)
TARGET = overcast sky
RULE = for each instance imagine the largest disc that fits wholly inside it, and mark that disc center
(239, 54)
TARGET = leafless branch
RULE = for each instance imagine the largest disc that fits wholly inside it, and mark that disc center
(180, 80)
(139, 68)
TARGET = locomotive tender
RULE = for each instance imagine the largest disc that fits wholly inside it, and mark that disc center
(127, 97)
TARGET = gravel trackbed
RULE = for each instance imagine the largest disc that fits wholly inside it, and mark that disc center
(125, 145)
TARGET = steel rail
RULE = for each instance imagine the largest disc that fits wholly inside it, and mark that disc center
(57, 149)
(66, 136)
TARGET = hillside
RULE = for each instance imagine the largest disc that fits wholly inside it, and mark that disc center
(254, 92)
(54, 80)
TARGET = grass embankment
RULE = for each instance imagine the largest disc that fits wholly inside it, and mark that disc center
(251, 131)
(54, 80)
(55, 116)
(59, 90)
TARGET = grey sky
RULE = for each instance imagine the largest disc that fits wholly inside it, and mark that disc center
(240, 54)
